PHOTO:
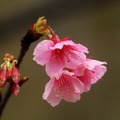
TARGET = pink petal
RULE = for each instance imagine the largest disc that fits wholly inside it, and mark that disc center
(78, 47)
(91, 63)
(73, 81)
(70, 96)
(81, 48)
(42, 52)
(86, 80)
(71, 91)
(50, 94)
(60, 44)
(15, 75)
(79, 71)
(54, 66)
(97, 69)
(75, 58)
(98, 73)
(48, 88)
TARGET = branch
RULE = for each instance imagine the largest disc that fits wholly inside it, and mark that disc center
(5, 99)
(29, 38)
(25, 44)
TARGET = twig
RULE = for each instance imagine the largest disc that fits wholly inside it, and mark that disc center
(5, 99)
(25, 44)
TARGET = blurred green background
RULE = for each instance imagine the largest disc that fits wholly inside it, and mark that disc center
(93, 23)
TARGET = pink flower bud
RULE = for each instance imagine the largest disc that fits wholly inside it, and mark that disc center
(2, 78)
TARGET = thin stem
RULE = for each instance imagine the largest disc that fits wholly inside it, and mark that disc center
(5, 99)
(25, 44)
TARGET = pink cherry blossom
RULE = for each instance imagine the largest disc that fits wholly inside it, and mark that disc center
(15, 75)
(63, 86)
(57, 54)
(90, 72)
(9, 73)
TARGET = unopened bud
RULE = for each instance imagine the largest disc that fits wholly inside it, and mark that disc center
(7, 55)
(12, 57)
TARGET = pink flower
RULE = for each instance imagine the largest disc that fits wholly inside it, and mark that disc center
(15, 78)
(57, 54)
(90, 72)
(9, 73)
(64, 86)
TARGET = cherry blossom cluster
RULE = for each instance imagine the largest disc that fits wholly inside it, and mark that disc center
(71, 72)
(9, 73)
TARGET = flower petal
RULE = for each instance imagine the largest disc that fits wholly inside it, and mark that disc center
(91, 63)
(42, 52)
(60, 44)
(86, 80)
(81, 48)
(75, 58)
(50, 94)
(54, 66)
(72, 89)
(15, 75)
(99, 71)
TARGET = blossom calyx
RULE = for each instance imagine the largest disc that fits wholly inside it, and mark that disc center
(40, 28)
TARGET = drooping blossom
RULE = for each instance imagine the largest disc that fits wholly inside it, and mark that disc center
(90, 72)
(70, 72)
(15, 75)
(57, 54)
(63, 86)
(10, 73)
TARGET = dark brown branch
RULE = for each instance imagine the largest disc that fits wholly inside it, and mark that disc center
(5, 99)
(25, 44)
(29, 38)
